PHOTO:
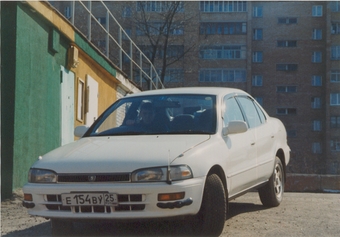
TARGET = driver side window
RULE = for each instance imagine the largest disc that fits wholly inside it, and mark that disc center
(232, 111)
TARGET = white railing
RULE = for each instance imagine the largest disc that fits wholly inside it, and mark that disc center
(110, 38)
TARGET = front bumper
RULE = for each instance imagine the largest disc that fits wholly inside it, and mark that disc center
(135, 200)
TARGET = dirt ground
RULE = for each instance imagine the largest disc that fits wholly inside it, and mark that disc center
(300, 214)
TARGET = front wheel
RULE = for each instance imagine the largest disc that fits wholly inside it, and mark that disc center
(271, 194)
(210, 220)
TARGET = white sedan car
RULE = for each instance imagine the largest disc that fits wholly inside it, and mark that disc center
(175, 153)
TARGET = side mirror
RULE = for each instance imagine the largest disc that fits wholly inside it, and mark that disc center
(235, 127)
(80, 130)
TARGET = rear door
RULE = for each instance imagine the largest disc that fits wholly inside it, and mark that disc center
(265, 138)
(263, 142)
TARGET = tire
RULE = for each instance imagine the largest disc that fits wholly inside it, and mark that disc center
(61, 227)
(271, 194)
(209, 221)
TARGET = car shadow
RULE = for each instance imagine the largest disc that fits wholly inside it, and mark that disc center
(237, 208)
(136, 228)
(143, 228)
(112, 229)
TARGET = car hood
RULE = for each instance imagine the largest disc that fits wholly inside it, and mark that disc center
(118, 154)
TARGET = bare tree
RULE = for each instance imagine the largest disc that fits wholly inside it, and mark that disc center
(160, 26)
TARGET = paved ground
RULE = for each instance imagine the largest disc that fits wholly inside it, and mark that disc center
(300, 214)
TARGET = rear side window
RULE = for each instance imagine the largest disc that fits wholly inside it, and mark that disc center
(260, 112)
(250, 111)
(232, 111)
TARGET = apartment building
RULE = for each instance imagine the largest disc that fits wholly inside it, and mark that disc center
(286, 54)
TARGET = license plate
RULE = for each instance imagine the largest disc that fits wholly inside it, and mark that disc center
(89, 199)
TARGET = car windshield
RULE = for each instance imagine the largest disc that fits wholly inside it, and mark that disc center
(158, 114)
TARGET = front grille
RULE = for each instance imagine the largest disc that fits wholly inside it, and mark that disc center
(83, 178)
(126, 202)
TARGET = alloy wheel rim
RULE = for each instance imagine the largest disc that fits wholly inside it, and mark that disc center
(278, 184)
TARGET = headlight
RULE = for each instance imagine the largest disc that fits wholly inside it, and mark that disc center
(41, 176)
(160, 174)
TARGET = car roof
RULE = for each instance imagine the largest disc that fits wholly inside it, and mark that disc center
(193, 90)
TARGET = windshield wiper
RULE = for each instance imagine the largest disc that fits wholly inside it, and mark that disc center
(188, 132)
(103, 134)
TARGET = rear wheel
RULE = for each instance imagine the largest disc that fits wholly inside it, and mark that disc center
(61, 227)
(210, 220)
(271, 194)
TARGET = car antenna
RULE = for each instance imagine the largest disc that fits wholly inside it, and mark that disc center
(168, 178)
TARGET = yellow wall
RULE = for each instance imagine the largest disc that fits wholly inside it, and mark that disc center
(107, 84)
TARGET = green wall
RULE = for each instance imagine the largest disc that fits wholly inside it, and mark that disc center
(34, 84)
(32, 52)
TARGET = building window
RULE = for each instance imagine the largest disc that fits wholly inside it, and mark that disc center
(316, 148)
(316, 80)
(335, 99)
(317, 10)
(291, 133)
(223, 52)
(222, 75)
(257, 57)
(257, 80)
(335, 6)
(177, 30)
(127, 12)
(156, 28)
(257, 34)
(287, 20)
(286, 111)
(286, 43)
(335, 52)
(317, 57)
(126, 58)
(335, 29)
(126, 34)
(258, 11)
(259, 100)
(316, 102)
(67, 12)
(101, 20)
(317, 34)
(335, 75)
(158, 6)
(286, 67)
(173, 75)
(101, 44)
(335, 144)
(223, 28)
(223, 6)
(286, 89)
(335, 122)
(317, 125)
(173, 51)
